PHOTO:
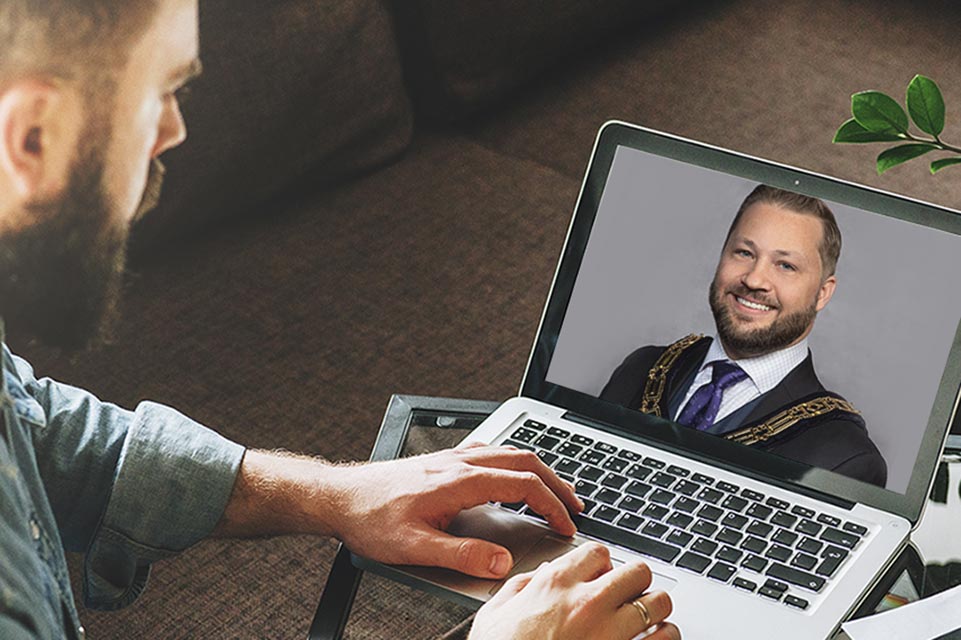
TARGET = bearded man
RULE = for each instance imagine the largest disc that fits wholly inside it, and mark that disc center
(754, 382)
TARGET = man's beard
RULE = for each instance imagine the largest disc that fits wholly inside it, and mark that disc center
(753, 342)
(61, 278)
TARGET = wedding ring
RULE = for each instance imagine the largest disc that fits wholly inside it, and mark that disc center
(642, 611)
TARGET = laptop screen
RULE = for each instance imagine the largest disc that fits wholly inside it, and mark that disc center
(833, 302)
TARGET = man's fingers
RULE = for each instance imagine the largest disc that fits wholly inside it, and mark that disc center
(625, 583)
(517, 460)
(630, 620)
(522, 486)
(666, 631)
(583, 564)
(475, 557)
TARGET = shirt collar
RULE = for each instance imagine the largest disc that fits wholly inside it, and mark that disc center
(766, 371)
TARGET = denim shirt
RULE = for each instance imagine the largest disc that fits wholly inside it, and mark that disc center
(125, 488)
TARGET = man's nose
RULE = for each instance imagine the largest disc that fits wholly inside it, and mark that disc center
(172, 132)
(756, 278)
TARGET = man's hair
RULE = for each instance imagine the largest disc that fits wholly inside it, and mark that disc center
(83, 40)
(829, 248)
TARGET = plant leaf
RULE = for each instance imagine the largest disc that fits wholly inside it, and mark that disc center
(902, 153)
(926, 105)
(878, 112)
(852, 132)
(937, 165)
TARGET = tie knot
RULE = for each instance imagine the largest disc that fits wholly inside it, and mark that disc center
(725, 373)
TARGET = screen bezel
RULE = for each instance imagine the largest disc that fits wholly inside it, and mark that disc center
(710, 448)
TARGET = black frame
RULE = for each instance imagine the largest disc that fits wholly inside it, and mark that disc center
(824, 484)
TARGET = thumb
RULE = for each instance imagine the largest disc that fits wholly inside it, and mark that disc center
(475, 557)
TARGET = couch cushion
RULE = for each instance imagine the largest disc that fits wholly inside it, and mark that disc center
(461, 55)
(291, 89)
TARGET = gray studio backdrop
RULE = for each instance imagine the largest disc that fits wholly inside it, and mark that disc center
(882, 342)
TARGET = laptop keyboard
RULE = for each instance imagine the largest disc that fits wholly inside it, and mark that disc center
(732, 534)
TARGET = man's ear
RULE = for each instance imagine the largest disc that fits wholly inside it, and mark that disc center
(39, 126)
(825, 292)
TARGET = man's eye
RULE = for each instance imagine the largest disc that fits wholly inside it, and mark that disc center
(787, 266)
(743, 253)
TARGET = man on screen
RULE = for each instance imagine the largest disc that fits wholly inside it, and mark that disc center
(755, 382)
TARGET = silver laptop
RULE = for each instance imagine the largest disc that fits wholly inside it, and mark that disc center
(774, 512)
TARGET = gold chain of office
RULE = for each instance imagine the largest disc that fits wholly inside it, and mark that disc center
(657, 381)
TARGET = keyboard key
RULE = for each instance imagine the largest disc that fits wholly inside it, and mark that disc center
(808, 527)
(630, 504)
(759, 529)
(834, 536)
(796, 577)
(662, 479)
(768, 592)
(777, 504)
(777, 552)
(604, 447)
(582, 440)
(655, 529)
(704, 528)
(856, 529)
(558, 433)
(518, 445)
(588, 506)
(734, 503)
(747, 585)
(680, 472)
(694, 562)
(784, 519)
(653, 463)
(629, 455)
(630, 521)
(752, 495)
(712, 496)
(640, 544)
(566, 465)
(606, 513)
(804, 561)
(794, 601)
(547, 442)
(662, 496)
(680, 520)
(680, 538)
(756, 564)
(534, 424)
(729, 536)
(777, 585)
(701, 478)
(524, 435)
(711, 513)
(607, 496)
(547, 458)
(614, 481)
(704, 546)
(810, 545)
(533, 514)
(590, 456)
(830, 521)
(729, 554)
(686, 487)
(638, 489)
(591, 474)
(754, 545)
(584, 488)
(833, 557)
(802, 511)
(569, 449)
(734, 520)
(687, 505)
(513, 506)
(759, 511)
(639, 472)
(655, 511)
(787, 538)
(727, 486)
(721, 572)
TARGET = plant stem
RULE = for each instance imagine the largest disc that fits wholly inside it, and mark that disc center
(936, 142)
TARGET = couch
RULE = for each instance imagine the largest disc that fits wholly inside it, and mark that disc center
(372, 200)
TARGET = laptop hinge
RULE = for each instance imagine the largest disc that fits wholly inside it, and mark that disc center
(716, 462)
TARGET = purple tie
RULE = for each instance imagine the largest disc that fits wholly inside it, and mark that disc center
(702, 408)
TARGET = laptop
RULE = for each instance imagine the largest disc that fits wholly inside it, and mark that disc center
(784, 522)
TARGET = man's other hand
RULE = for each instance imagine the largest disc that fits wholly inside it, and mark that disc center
(577, 597)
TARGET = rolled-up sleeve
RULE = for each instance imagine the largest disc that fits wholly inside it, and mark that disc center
(127, 487)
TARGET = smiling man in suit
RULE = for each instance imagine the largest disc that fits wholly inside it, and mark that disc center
(754, 381)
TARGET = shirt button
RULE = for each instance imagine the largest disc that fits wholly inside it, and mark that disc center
(35, 530)
(82, 632)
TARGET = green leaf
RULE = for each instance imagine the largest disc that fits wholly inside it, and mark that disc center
(926, 105)
(878, 112)
(853, 132)
(896, 155)
(937, 165)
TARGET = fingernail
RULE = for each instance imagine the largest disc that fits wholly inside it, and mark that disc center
(500, 564)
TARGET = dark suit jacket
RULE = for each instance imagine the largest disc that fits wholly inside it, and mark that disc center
(837, 441)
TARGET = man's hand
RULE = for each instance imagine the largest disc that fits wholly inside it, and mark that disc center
(577, 597)
(396, 512)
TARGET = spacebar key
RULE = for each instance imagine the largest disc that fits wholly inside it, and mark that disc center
(626, 539)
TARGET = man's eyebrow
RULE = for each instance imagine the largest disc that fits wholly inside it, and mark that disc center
(187, 72)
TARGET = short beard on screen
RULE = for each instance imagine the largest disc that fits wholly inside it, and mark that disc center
(61, 279)
(752, 343)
